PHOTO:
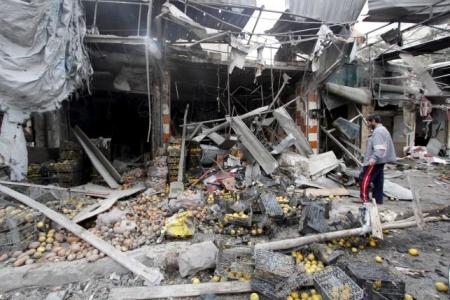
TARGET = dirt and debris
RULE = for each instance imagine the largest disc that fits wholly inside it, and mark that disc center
(211, 175)
(233, 217)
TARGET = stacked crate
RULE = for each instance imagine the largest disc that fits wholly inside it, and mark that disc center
(174, 150)
(194, 154)
(70, 165)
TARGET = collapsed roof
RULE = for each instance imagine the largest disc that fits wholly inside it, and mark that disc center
(409, 11)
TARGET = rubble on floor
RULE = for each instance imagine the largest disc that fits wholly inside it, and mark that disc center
(229, 208)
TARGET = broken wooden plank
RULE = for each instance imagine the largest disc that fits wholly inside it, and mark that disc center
(152, 275)
(177, 187)
(375, 222)
(287, 123)
(417, 207)
(87, 189)
(254, 146)
(323, 237)
(102, 206)
(179, 290)
(310, 192)
(101, 164)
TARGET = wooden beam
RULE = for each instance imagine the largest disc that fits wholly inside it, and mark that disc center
(323, 237)
(180, 290)
(417, 207)
(102, 206)
(152, 275)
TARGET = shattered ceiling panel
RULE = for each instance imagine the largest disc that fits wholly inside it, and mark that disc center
(408, 11)
(338, 12)
(327, 10)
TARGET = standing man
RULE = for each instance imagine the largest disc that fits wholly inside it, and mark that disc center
(379, 150)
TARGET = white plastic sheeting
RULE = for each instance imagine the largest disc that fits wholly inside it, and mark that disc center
(42, 61)
(42, 58)
(13, 148)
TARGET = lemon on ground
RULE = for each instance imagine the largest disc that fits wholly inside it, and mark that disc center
(408, 297)
(254, 296)
(215, 278)
(441, 287)
(378, 259)
(195, 280)
(372, 243)
(354, 250)
(413, 252)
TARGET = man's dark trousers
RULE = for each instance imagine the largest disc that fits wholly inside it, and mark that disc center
(374, 174)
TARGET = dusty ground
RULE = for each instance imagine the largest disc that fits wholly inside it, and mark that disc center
(432, 263)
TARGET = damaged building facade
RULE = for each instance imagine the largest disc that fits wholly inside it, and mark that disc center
(148, 64)
(161, 137)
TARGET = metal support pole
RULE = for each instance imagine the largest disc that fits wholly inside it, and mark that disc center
(94, 22)
(139, 21)
(256, 23)
(228, 84)
(147, 67)
(343, 148)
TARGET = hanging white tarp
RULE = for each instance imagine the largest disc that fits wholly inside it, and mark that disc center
(42, 61)
(42, 57)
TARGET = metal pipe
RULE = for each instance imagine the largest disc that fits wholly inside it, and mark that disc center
(256, 23)
(147, 67)
(343, 148)
(357, 95)
(94, 22)
(397, 89)
(139, 20)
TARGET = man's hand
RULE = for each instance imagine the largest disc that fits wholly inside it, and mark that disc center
(372, 162)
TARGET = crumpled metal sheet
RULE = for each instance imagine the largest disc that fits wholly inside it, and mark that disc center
(326, 10)
(406, 11)
(42, 56)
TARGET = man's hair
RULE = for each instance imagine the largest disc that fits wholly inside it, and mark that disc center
(374, 117)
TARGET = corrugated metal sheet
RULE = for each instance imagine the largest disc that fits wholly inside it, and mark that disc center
(327, 10)
(404, 10)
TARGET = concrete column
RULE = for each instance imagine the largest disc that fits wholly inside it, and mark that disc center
(365, 132)
(309, 126)
(165, 109)
(313, 123)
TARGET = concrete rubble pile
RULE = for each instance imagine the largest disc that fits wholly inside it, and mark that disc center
(237, 206)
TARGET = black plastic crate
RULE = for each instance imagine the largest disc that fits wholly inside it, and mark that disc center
(270, 206)
(266, 288)
(273, 264)
(377, 278)
(333, 283)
